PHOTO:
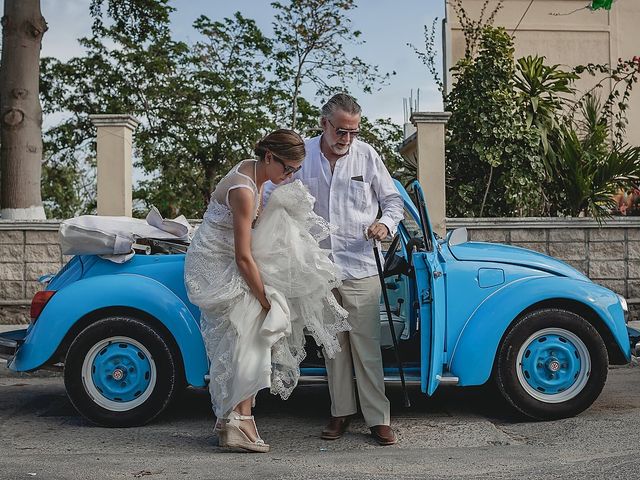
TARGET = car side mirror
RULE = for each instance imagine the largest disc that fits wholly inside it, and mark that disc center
(458, 236)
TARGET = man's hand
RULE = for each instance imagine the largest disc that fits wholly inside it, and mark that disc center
(379, 231)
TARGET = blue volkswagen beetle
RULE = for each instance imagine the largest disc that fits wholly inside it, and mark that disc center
(463, 313)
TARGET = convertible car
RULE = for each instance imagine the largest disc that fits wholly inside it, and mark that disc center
(461, 313)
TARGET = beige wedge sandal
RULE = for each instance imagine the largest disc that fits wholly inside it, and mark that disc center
(233, 437)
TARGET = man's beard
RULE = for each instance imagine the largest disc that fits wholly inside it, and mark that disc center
(341, 150)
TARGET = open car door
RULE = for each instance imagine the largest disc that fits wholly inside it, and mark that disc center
(430, 272)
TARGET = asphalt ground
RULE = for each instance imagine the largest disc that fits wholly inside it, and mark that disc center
(459, 433)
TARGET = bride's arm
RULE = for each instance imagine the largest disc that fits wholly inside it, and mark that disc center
(241, 203)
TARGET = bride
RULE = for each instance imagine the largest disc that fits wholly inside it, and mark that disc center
(259, 288)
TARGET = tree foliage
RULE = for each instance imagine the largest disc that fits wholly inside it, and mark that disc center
(310, 38)
(202, 106)
(585, 169)
(544, 90)
(521, 140)
(493, 166)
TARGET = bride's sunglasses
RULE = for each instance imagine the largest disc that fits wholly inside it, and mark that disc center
(288, 169)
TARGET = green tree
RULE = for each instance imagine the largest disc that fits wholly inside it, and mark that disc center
(310, 37)
(202, 107)
(493, 165)
(211, 119)
(385, 136)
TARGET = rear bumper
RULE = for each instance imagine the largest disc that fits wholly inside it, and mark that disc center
(634, 340)
(10, 342)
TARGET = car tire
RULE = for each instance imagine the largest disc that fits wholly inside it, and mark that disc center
(551, 364)
(121, 372)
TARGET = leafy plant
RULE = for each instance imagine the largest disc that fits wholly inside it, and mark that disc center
(621, 78)
(586, 170)
(493, 164)
(519, 142)
(544, 91)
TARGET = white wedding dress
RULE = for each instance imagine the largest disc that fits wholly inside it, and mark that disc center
(248, 349)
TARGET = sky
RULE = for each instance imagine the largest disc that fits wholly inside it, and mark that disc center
(386, 25)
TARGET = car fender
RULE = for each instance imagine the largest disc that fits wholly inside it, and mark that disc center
(75, 301)
(473, 355)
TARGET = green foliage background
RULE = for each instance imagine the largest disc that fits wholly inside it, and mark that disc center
(202, 105)
(522, 141)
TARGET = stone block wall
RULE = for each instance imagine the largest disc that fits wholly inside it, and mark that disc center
(28, 250)
(609, 253)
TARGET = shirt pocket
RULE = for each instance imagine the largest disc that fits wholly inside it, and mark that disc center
(359, 194)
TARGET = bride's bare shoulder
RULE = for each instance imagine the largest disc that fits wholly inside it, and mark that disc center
(246, 167)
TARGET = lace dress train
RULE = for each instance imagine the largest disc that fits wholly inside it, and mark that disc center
(248, 349)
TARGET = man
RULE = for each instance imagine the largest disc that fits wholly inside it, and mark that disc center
(349, 181)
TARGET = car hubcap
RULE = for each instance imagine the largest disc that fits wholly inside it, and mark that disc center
(119, 373)
(553, 365)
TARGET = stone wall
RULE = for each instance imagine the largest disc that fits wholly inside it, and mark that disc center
(609, 253)
(28, 250)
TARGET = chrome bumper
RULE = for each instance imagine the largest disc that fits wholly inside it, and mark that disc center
(634, 340)
(10, 342)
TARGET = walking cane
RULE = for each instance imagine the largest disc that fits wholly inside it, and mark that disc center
(383, 285)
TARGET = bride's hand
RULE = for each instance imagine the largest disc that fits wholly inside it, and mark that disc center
(266, 306)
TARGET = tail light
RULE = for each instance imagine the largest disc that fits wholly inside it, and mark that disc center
(38, 302)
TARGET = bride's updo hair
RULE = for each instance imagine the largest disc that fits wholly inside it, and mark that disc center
(285, 144)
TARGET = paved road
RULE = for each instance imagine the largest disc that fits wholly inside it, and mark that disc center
(459, 433)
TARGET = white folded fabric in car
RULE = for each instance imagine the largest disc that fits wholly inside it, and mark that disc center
(113, 237)
(179, 226)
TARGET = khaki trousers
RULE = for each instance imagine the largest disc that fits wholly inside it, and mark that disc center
(360, 354)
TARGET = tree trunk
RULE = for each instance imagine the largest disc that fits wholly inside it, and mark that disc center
(294, 110)
(20, 111)
(294, 103)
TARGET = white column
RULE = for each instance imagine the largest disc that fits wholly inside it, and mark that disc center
(114, 150)
(431, 164)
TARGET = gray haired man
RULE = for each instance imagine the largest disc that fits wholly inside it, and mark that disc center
(349, 182)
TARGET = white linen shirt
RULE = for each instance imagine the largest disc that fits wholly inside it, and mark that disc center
(348, 198)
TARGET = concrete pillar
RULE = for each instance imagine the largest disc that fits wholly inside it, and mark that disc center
(430, 135)
(114, 137)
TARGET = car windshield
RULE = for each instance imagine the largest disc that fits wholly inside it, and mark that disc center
(412, 227)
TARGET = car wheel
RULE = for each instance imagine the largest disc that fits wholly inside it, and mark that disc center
(120, 372)
(551, 364)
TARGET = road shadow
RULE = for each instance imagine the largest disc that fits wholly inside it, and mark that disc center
(313, 402)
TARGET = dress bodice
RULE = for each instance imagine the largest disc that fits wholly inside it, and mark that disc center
(219, 210)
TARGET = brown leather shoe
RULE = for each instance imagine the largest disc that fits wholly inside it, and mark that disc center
(335, 428)
(384, 435)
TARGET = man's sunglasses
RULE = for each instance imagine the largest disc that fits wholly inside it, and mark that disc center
(288, 169)
(343, 132)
